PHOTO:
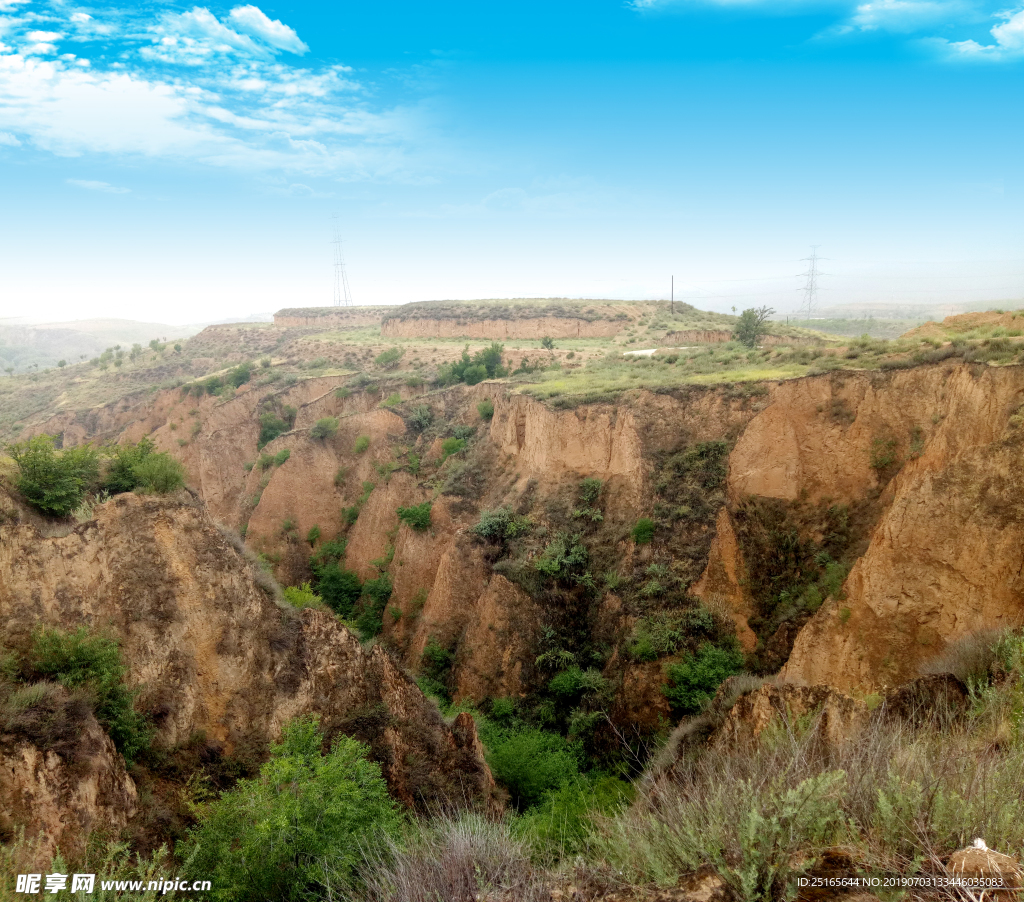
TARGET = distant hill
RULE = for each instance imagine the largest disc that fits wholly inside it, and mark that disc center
(42, 345)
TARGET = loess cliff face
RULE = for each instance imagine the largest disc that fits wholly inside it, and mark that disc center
(213, 654)
(924, 463)
(502, 329)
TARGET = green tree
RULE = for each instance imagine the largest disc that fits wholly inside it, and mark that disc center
(752, 325)
(51, 481)
(417, 516)
(388, 360)
(302, 822)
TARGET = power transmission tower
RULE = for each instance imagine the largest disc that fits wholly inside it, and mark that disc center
(341, 291)
(810, 288)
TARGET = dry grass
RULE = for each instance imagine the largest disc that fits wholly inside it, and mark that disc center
(900, 796)
(456, 858)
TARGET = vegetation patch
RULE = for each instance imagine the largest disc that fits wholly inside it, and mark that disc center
(417, 516)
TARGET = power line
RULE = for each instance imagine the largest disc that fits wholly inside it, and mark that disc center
(341, 290)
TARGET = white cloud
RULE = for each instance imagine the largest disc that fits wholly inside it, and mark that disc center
(6, 138)
(253, 21)
(196, 37)
(1009, 41)
(235, 105)
(105, 187)
(905, 16)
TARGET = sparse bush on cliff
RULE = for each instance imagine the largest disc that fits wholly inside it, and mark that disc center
(565, 558)
(80, 660)
(501, 524)
(160, 473)
(302, 597)
(421, 417)
(240, 374)
(54, 482)
(362, 443)
(325, 427)
(643, 532)
(120, 475)
(451, 446)
(485, 409)
(694, 680)
(417, 516)
(376, 594)
(297, 828)
(271, 426)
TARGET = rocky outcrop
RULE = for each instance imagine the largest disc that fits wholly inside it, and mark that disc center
(211, 651)
(947, 557)
(61, 795)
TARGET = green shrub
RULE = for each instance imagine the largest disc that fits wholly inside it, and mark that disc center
(160, 473)
(435, 669)
(883, 453)
(421, 417)
(376, 594)
(282, 456)
(313, 535)
(548, 343)
(696, 678)
(643, 532)
(392, 399)
(501, 524)
(530, 762)
(80, 660)
(299, 827)
(54, 482)
(388, 360)
(565, 558)
(339, 588)
(417, 516)
(266, 461)
(271, 426)
(485, 364)
(302, 597)
(350, 514)
(240, 374)
(120, 476)
(325, 427)
(362, 443)
(485, 409)
(451, 446)
(560, 826)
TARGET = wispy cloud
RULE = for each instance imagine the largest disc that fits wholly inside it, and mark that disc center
(9, 140)
(104, 187)
(906, 16)
(188, 86)
(253, 21)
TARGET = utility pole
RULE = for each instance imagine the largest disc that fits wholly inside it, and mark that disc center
(341, 291)
(810, 288)
(673, 295)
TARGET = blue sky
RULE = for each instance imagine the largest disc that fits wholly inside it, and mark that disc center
(179, 163)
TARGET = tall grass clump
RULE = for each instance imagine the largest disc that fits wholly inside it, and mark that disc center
(457, 857)
(899, 792)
